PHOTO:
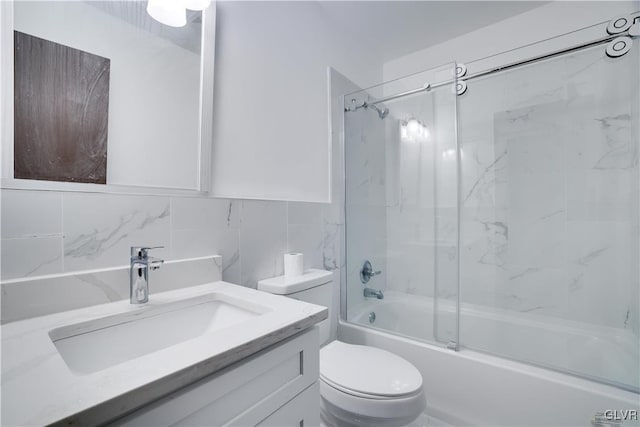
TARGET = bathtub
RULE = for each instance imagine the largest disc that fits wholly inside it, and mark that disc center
(475, 388)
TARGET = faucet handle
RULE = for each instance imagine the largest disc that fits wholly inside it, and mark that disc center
(368, 272)
(143, 251)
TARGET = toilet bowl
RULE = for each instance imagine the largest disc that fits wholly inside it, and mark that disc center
(367, 386)
(359, 385)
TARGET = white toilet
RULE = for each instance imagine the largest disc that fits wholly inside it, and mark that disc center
(359, 385)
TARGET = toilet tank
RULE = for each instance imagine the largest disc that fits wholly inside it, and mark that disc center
(314, 286)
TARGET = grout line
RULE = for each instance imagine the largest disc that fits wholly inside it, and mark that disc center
(239, 242)
(170, 249)
(288, 249)
(239, 257)
(62, 230)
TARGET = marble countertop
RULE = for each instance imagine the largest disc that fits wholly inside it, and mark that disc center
(39, 388)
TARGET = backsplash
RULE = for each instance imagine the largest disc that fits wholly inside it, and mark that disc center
(46, 232)
(39, 296)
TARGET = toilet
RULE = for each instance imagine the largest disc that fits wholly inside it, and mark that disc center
(359, 385)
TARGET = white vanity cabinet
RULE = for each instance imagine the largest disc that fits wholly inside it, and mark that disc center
(277, 386)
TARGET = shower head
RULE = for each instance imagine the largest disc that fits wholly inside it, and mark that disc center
(382, 112)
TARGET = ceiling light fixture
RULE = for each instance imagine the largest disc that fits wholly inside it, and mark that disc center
(168, 12)
(196, 4)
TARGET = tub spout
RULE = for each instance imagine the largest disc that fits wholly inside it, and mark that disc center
(368, 292)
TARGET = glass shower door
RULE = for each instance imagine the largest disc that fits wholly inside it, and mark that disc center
(401, 177)
(550, 236)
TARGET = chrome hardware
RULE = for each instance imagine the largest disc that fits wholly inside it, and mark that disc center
(619, 46)
(355, 105)
(372, 317)
(619, 24)
(140, 265)
(382, 110)
(461, 70)
(426, 87)
(367, 272)
(461, 87)
(368, 293)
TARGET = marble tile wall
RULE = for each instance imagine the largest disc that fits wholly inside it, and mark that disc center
(46, 232)
(550, 186)
(366, 233)
(549, 191)
(421, 197)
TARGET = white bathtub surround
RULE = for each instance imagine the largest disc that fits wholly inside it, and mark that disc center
(522, 336)
(365, 208)
(548, 202)
(39, 296)
(548, 185)
(39, 388)
(471, 388)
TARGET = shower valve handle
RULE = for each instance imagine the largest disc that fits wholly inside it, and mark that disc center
(367, 272)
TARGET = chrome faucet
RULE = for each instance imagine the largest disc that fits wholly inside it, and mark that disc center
(368, 292)
(141, 263)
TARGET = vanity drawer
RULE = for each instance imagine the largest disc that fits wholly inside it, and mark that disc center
(302, 410)
(243, 394)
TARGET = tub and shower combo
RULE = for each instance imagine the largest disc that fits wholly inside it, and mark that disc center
(497, 204)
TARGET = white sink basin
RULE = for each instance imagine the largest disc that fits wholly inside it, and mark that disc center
(94, 345)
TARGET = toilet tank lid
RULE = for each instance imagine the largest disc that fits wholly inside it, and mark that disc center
(282, 285)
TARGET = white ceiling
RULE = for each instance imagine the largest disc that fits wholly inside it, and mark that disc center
(135, 13)
(397, 28)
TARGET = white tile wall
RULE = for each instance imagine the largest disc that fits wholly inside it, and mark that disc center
(548, 183)
(40, 216)
(38, 296)
(549, 188)
(100, 228)
(83, 231)
(263, 240)
(31, 233)
(32, 256)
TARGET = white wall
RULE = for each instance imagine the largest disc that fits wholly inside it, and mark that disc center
(548, 21)
(271, 132)
(154, 93)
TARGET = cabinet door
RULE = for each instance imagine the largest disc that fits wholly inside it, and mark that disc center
(301, 411)
(242, 394)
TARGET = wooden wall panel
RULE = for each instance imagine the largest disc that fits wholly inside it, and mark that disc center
(61, 112)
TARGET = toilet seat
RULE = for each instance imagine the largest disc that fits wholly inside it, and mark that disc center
(369, 385)
(368, 371)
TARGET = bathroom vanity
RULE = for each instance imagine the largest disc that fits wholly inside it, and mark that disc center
(214, 354)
